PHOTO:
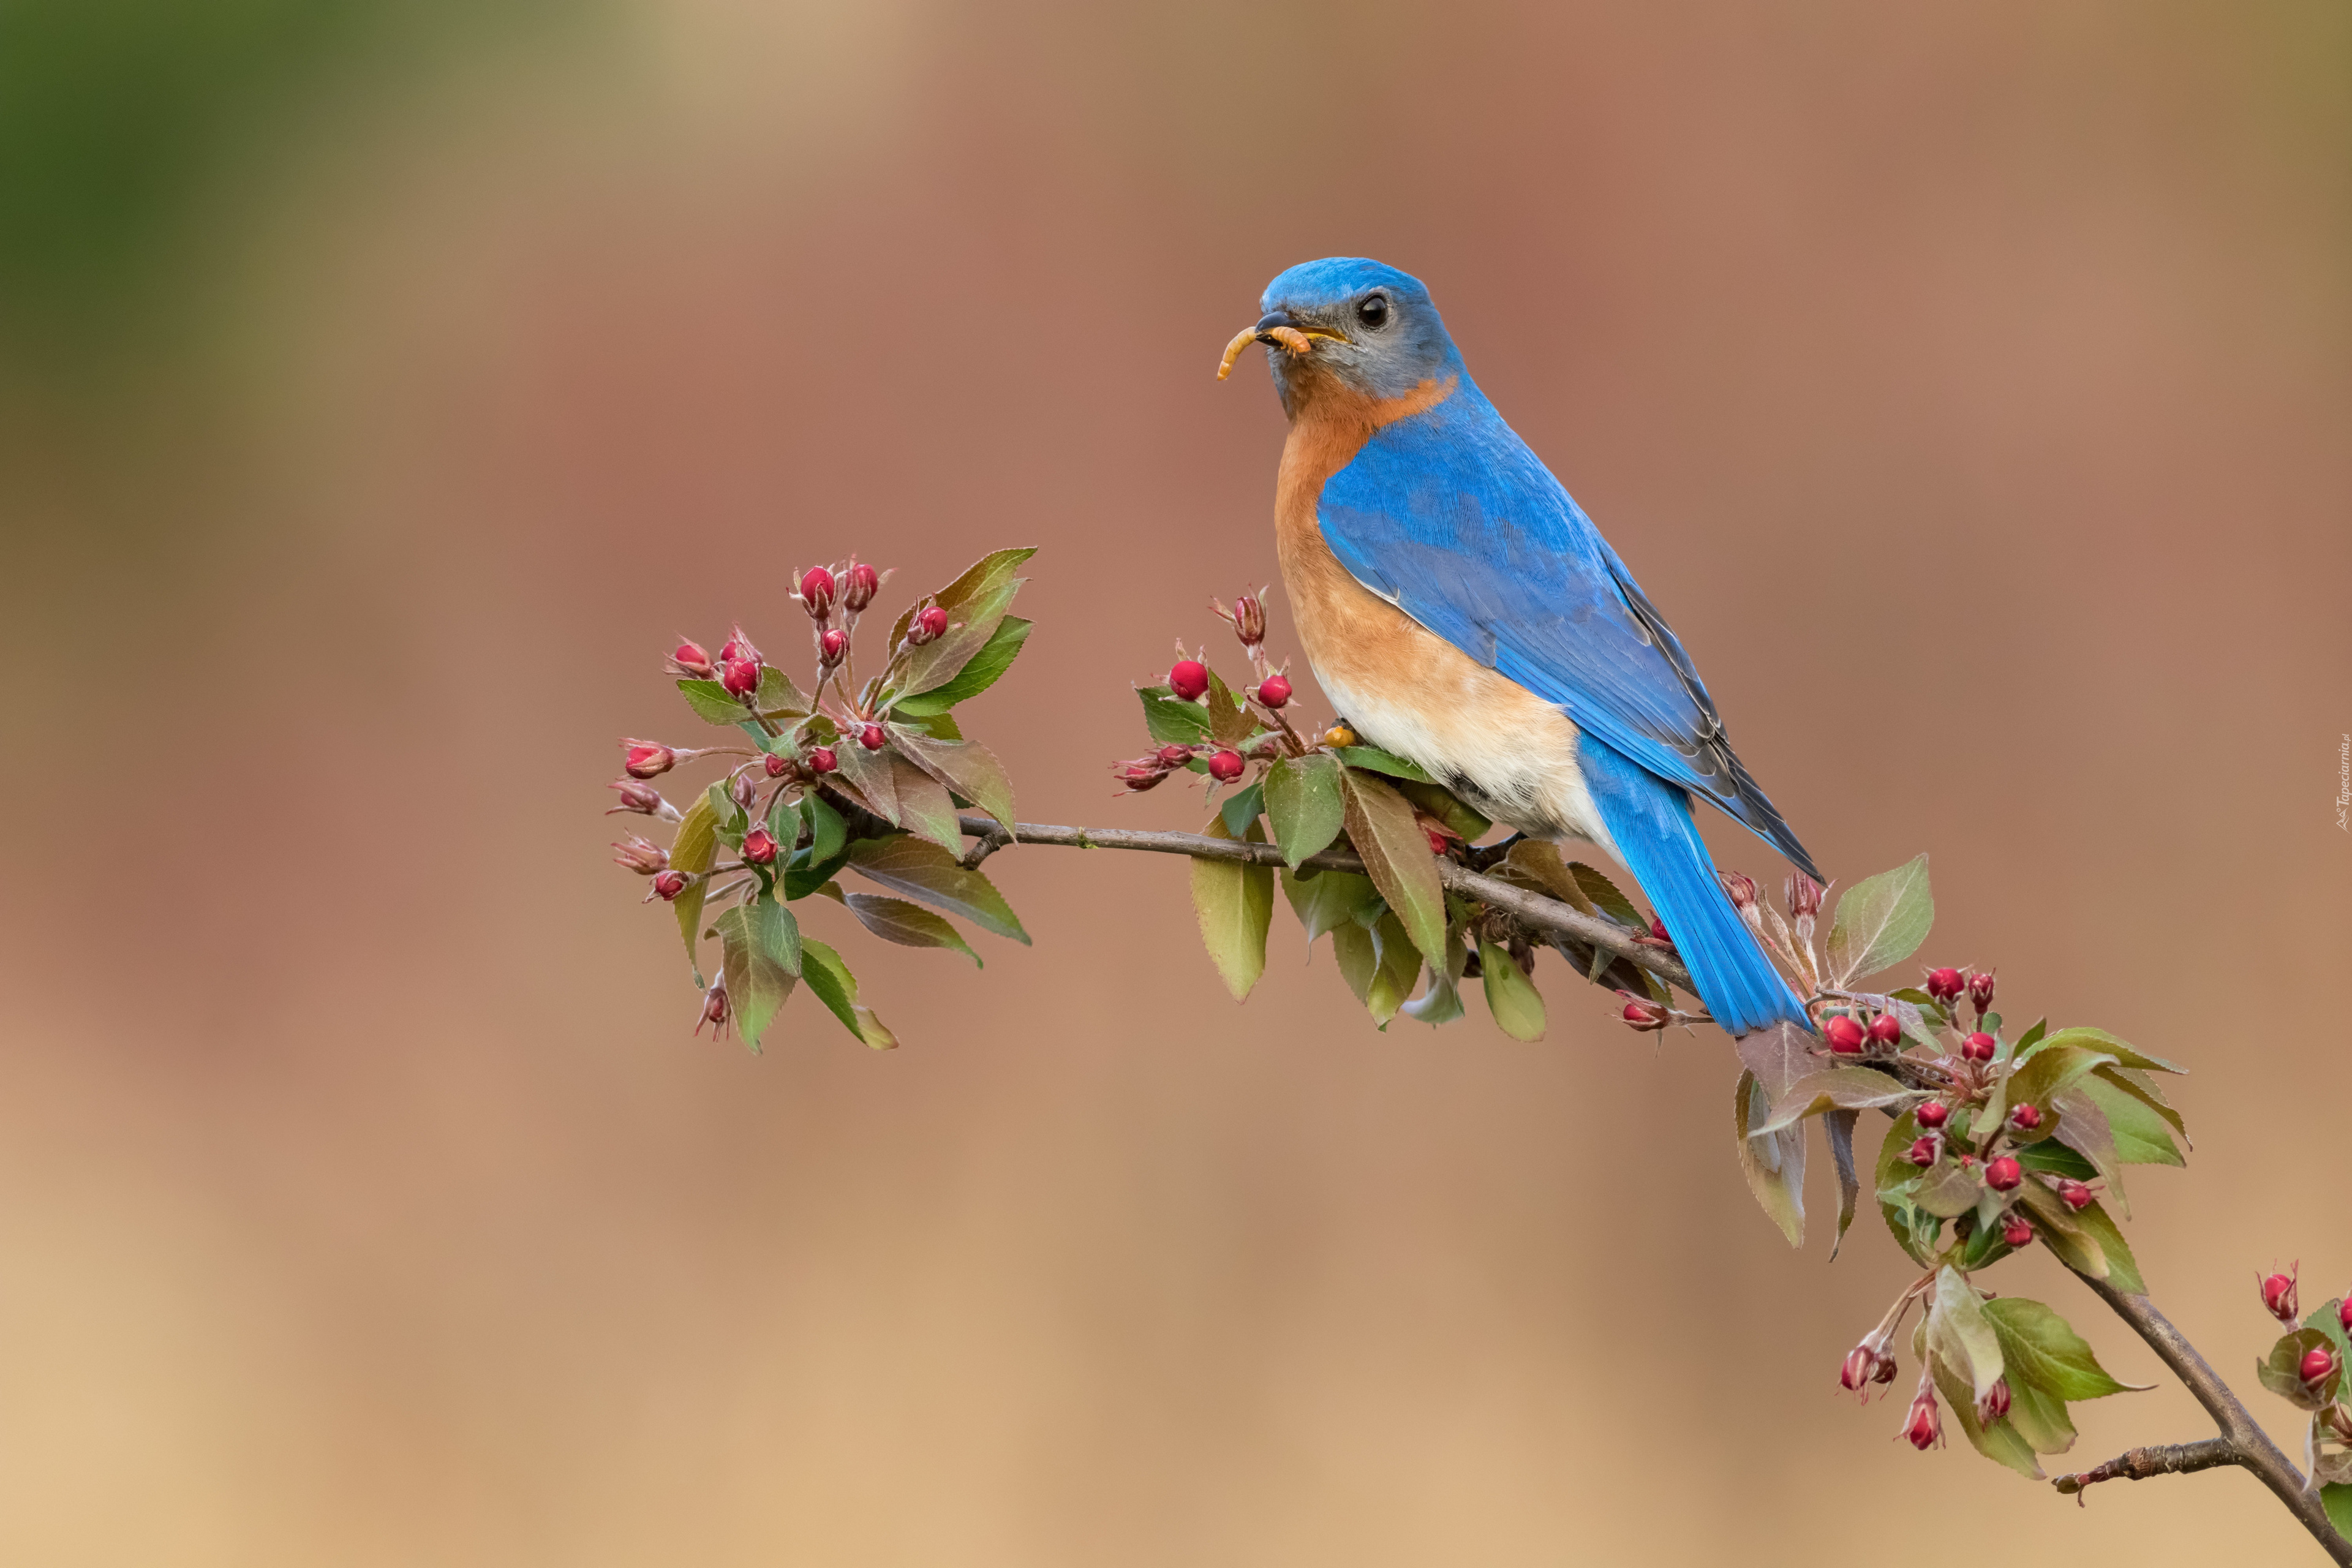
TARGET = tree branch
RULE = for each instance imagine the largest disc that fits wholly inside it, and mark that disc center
(1539, 910)
(2139, 1463)
(2250, 1446)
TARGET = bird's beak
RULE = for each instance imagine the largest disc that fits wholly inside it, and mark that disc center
(1276, 327)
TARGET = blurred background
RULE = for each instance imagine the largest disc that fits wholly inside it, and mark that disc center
(387, 384)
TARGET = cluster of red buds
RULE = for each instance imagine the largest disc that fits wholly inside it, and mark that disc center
(1948, 985)
(1270, 696)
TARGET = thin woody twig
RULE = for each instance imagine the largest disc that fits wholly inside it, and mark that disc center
(2165, 1459)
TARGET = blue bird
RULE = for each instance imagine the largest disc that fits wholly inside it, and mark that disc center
(1460, 611)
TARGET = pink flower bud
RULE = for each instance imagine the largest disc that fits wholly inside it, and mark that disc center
(1249, 623)
(775, 765)
(1226, 766)
(689, 660)
(647, 758)
(832, 647)
(1845, 1037)
(760, 848)
(870, 736)
(740, 676)
(858, 586)
(2317, 1366)
(2025, 1119)
(2279, 1296)
(2003, 1176)
(1804, 896)
(1887, 1029)
(641, 798)
(2075, 1195)
(715, 1010)
(1273, 690)
(1741, 889)
(2015, 1231)
(1980, 991)
(821, 760)
(1174, 756)
(931, 621)
(1923, 1150)
(816, 592)
(1932, 1114)
(1188, 678)
(1923, 1429)
(739, 646)
(740, 789)
(670, 884)
(1143, 773)
(1436, 840)
(1995, 1403)
(641, 856)
(1642, 1015)
(1945, 984)
(1980, 1046)
(1859, 1362)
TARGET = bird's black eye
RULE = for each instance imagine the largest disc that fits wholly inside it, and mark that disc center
(1374, 311)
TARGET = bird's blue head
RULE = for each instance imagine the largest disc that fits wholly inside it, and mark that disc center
(1346, 321)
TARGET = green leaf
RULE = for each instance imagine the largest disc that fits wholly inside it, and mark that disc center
(1604, 897)
(983, 576)
(981, 671)
(966, 767)
(2336, 1498)
(1957, 1322)
(828, 835)
(1511, 996)
(1230, 723)
(2137, 1135)
(1380, 761)
(1774, 1164)
(924, 808)
(778, 697)
(2038, 1348)
(2039, 1415)
(2058, 1160)
(1172, 723)
(1838, 1125)
(2282, 1370)
(760, 949)
(2074, 1246)
(2141, 1087)
(2000, 1442)
(1847, 1088)
(1440, 804)
(713, 701)
(1305, 805)
(1396, 854)
(1781, 1055)
(1234, 903)
(1328, 900)
(1442, 1002)
(836, 987)
(1533, 863)
(1891, 1179)
(871, 777)
(693, 851)
(972, 623)
(2099, 1040)
(1881, 921)
(924, 871)
(1241, 810)
(2082, 1127)
(2039, 1079)
(908, 925)
(1399, 967)
(2123, 1269)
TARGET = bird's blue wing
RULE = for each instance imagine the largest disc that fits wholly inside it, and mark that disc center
(1449, 516)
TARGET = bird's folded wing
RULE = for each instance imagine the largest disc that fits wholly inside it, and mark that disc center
(1450, 517)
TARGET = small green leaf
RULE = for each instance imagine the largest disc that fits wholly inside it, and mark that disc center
(966, 767)
(2040, 1079)
(971, 626)
(2282, 1370)
(1442, 1002)
(2039, 1415)
(828, 835)
(1380, 761)
(2038, 1348)
(1233, 902)
(1440, 805)
(1398, 971)
(1998, 1442)
(908, 925)
(1396, 854)
(2074, 1246)
(1892, 1179)
(2100, 1041)
(1535, 864)
(871, 776)
(1329, 900)
(924, 808)
(836, 987)
(1606, 899)
(2123, 1269)
(981, 671)
(1511, 996)
(2336, 1498)
(1241, 809)
(1847, 1088)
(759, 948)
(983, 576)
(1781, 1055)
(1774, 1164)
(2131, 1083)
(778, 697)
(924, 871)
(1958, 1321)
(1230, 723)
(1881, 921)
(1305, 805)
(713, 701)
(693, 851)
(1172, 723)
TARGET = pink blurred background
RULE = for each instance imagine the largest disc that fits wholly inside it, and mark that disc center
(1967, 384)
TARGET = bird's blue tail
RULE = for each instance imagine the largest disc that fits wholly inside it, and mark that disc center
(1651, 821)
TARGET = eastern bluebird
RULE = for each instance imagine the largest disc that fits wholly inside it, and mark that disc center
(1460, 611)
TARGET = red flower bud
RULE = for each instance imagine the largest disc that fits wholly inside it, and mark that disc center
(1642, 1015)
(1226, 766)
(776, 765)
(647, 758)
(1945, 984)
(858, 586)
(2025, 1119)
(832, 647)
(1143, 774)
(1932, 1113)
(1888, 1367)
(1845, 1037)
(1804, 896)
(1887, 1029)
(1995, 1403)
(821, 760)
(2075, 1195)
(2343, 1313)
(1436, 840)
(739, 646)
(641, 798)
(2004, 1174)
(931, 621)
(715, 1010)
(1273, 690)
(689, 660)
(1249, 625)
(2015, 1231)
(2317, 1366)
(760, 848)
(640, 855)
(1980, 1046)
(1658, 931)
(740, 676)
(871, 737)
(670, 884)
(1188, 678)
(1741, 889)
(1174, 756)
(1923, 1429)
(1859, 1362)
(1980, 991)
(2279, 1296)
(1923, 1150)
(741, 789)
(816, 592)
